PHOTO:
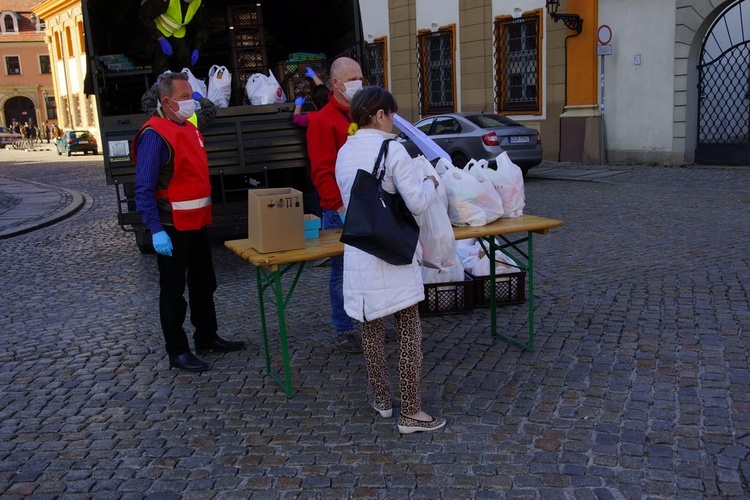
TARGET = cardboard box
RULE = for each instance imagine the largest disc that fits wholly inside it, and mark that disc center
(312, 226)
(275, 219)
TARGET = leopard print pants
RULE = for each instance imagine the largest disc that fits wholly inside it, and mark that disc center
(409, 359)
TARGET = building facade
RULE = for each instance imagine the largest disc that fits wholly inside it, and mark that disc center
(26, 91)
(65, 39)
(672, 86)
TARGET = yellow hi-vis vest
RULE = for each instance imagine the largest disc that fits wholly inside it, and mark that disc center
(171, 23)
(193, 119)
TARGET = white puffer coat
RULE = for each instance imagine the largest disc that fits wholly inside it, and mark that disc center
(372, 287)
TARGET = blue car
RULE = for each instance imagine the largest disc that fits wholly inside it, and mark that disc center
(77, 141)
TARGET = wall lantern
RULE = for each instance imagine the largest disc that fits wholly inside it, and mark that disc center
(571, 21)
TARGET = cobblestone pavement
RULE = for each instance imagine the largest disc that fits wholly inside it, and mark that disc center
(637, 386)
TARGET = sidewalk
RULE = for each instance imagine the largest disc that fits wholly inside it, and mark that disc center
(27, 205)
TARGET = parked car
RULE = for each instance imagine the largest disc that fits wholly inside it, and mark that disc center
(74, 141)
(480, 136)
(8, 137)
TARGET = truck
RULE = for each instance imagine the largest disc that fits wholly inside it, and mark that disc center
(248, 146)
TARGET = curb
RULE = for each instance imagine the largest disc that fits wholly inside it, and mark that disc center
(50, 205)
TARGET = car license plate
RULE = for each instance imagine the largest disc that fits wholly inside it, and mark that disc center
(86, 142)
(519, 139)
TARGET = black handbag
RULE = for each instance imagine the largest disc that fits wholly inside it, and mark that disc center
(378, 222)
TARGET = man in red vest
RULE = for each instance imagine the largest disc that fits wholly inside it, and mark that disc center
(173, 198)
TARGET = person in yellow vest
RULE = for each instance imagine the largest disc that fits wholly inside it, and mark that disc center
(178, 31)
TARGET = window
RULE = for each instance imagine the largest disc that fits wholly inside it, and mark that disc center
(12, 65)
(446, 125)
(81, 38)
(51, 106)
(45, 67)
(69, 42)
(377, 63)
(9, 23)
(435, 62)
(517, 64)
(58, 47)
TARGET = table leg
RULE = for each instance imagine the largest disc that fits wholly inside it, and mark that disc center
(527, 266)
(272, 279)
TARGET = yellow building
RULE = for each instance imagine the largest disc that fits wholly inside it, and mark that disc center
(26, 76)
(65, 40)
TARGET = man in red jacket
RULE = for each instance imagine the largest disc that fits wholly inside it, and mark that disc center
(326, 134)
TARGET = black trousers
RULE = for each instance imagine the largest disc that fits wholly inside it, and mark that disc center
(189, 264)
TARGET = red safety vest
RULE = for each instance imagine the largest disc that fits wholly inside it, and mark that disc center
(189, 189)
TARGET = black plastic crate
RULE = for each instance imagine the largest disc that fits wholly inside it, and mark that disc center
(447, 298)
(510, 288)
(244, 15)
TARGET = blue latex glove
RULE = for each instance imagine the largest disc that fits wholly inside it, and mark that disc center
(299, 101)
(342, 217)
(162, 244)
(194, 57)
(196, 96)
(310, 72)
(166, 47)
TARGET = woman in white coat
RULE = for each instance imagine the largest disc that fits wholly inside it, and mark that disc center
(372, 287)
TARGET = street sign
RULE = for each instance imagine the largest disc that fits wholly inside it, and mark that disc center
(604, 34)
(604, 50)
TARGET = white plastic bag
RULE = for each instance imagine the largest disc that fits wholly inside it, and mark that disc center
(491, 202)
(262, 89)
(436, 235)
(197, 85)
(503, 265)
(219, 86)
(454, 273)
(508, 181)
(475, 261)
(463, 190)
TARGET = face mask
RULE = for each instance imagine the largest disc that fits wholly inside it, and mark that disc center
(352, 88)
(187, 108)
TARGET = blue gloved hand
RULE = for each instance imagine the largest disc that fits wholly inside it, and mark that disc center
(310, 72)
(194, 57)
(166, 47)
(162, 244)
(342, 217)
(299, 101)
(196, 96)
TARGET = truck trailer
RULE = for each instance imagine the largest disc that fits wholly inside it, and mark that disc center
(248, 146)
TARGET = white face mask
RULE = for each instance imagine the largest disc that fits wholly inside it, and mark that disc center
(187, 108)
(352, 88)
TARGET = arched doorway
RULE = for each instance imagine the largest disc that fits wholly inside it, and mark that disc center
(21, 109)
(724, 89)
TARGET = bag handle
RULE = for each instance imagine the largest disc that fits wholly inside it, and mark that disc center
(381, 159)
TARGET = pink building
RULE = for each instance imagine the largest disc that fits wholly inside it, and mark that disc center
(26, 91)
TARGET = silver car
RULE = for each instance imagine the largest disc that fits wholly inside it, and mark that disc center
(480, 136)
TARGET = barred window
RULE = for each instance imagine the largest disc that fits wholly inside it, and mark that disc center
(377, 59)
(436, 63)
(517, 64)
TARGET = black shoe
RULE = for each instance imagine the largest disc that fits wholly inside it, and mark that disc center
(218, 344)
(187, 362)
